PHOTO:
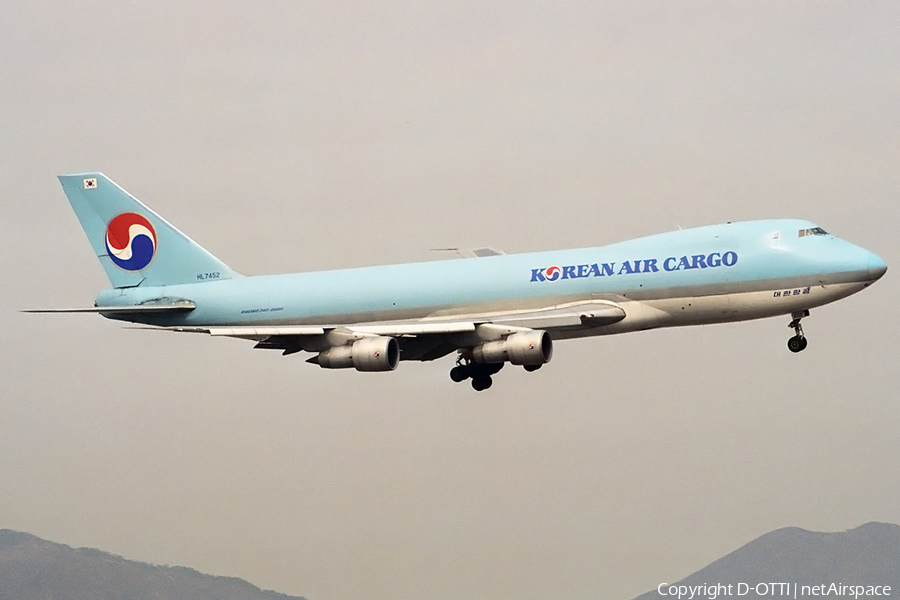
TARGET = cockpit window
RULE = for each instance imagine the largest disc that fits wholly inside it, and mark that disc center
(813, 231)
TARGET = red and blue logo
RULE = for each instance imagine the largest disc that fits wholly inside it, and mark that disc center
(130, 241)
(552, 273)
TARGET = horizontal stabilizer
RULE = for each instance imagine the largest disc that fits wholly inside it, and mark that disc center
(171, 307)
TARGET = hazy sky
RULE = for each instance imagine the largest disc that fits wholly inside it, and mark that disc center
(292, 136)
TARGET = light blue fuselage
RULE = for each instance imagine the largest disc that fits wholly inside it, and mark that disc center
(709, 274)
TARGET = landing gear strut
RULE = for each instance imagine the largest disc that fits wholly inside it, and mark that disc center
(479, 373)
(798, 342)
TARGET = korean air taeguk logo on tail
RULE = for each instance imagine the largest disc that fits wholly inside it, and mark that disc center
(130, 241)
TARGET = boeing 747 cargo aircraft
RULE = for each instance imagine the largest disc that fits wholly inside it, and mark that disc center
(489, 310)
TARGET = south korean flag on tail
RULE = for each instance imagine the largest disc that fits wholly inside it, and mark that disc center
(90, 184)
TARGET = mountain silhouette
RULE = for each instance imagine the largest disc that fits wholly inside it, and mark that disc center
(35, 569)
(867, 555)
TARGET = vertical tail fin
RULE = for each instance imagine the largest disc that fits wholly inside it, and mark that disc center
(134, 244)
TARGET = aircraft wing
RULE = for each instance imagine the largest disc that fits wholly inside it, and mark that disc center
(428, 338)
(575, 316)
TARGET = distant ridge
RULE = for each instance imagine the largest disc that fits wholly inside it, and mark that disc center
(867, 555)
(35, 569)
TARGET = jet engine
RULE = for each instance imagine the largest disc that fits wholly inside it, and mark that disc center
(374, 353)
(526, 348)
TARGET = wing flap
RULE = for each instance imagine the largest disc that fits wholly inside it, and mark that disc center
(396, 329)
(420, 328)
(253, 333)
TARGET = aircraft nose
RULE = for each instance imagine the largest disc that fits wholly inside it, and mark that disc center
(877, 267)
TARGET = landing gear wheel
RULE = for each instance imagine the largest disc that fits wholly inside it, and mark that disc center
(459, 373)
(797, 343)
(532, 368)
(480, 384)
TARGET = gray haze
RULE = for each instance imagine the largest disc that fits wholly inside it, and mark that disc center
(293, 136)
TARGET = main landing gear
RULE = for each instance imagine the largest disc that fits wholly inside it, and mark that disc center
(798, 342)
(480, 374)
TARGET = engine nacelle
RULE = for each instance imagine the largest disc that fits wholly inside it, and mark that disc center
(527, 348)
(375, 353)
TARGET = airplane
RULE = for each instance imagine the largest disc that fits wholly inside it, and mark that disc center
(490, 310)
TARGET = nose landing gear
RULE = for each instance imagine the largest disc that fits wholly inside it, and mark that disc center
(798, 342)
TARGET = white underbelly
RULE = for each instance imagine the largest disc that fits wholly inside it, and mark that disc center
(723, 308)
